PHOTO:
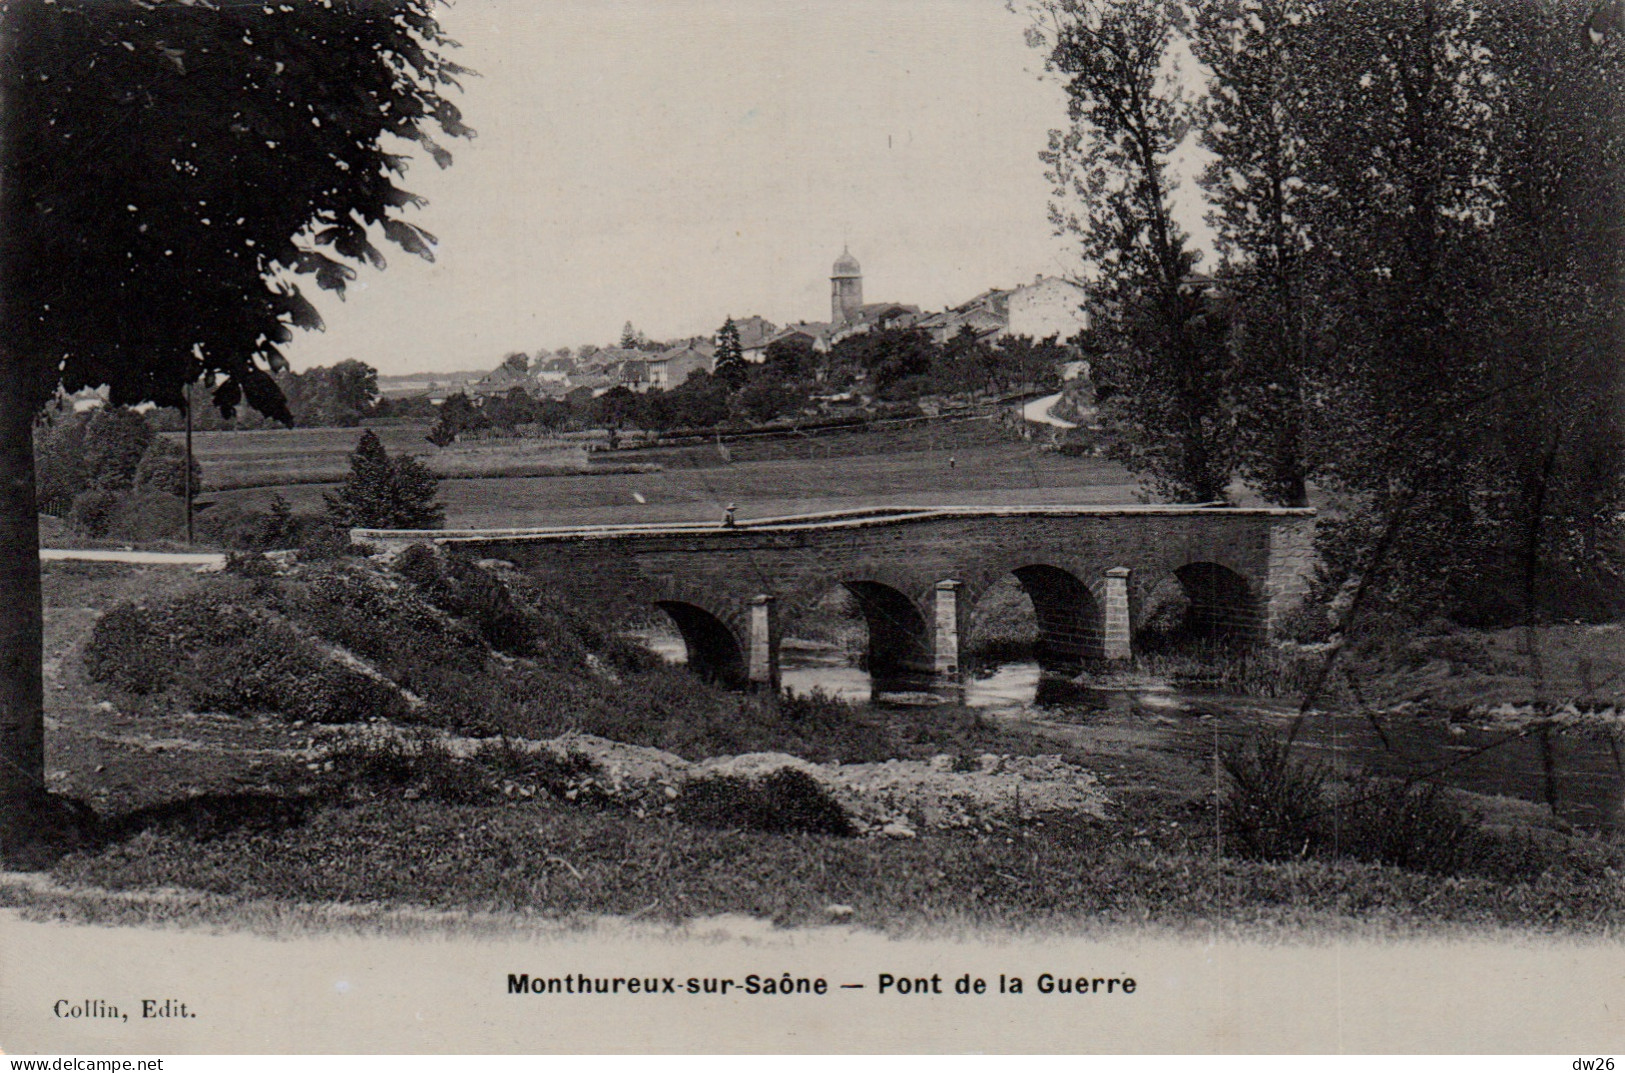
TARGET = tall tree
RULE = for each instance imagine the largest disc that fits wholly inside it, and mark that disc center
(1115, 182)
(729, 363)
(1251, 121)
(166, 171)
(385, 493)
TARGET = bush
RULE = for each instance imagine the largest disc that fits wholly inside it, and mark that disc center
(148, 514)
(140, 515)
(1273, 809)
(163, 469)
(250, 564)
(1279, 808)
(425, 764)
(279, 528)
(323, 541)
(220, 649)
(787, 800)
(127, 652)
(1307, 622)
(59, 461)
(116, 438)
(93, 511)
(1416, 826)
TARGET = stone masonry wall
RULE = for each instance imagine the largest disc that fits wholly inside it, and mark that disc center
(720, 570)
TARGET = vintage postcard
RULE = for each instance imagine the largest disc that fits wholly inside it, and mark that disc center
(921, 526)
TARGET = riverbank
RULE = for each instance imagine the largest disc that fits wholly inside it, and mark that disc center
(903, 820)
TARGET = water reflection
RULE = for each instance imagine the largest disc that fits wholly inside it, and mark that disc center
(1576, 771)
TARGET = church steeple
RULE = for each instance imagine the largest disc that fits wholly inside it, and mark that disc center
(845, 289)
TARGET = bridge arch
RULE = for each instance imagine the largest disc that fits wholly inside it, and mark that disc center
(899, 642)
(1068, 614)
(714, 653)
(1224, 603)
(1203, 601)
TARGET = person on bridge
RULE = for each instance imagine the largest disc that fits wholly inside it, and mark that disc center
(728, 517)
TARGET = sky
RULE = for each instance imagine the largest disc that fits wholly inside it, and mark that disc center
(676, 163)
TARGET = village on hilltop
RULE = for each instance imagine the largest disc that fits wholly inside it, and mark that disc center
(1048, 307)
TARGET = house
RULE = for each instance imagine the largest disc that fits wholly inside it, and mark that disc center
(501, 380)
(1048, 306)
(815, 334)
(633, 374)
(987, 315)
(554, 370)
(671, 368)
(754, 335)
(875, 316)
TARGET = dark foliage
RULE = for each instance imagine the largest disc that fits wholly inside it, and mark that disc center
(385, 493)
(223, 651)
(729, 363)
(1274, 803)
(218, 171)
(1280, 807)
(457, 415)
(786, 800)
(426, 766)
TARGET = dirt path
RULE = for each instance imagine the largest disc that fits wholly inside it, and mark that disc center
(1038, 413)
(203, 561)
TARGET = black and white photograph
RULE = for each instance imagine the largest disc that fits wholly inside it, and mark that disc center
(729, 526)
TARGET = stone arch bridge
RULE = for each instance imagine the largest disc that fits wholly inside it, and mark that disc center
(1090, 572)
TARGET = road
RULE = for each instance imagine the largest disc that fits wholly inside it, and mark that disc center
(203, 561)
(1037, 412)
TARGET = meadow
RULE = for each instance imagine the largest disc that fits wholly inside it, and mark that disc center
(692, 487)
(276, 458)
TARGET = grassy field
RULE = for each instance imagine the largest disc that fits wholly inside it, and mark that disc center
(270, 458)
(698, 489)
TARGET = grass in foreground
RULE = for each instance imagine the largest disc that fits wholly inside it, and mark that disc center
(562, 861)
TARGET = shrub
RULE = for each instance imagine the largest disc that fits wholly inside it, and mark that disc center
(59, 460)
(147, 513)
(787, 800)
(426, 764)
(217, 651)
(1416, 826)
(229, 525)
(1274, 804)
(324, 541)
(1279, 808)
(116, 438)
(251, 564)
(163, 469)
(422, 763)
(1306, 622)
(139, 515)
(93, 511)
(127, 652)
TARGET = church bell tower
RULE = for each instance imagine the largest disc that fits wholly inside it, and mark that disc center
(845, 289)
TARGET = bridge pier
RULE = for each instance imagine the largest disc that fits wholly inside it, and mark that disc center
(1117, 632)
(946, 655)
(762, 666)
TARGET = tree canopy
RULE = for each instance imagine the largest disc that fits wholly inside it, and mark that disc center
(1417, 206)
(171, 169)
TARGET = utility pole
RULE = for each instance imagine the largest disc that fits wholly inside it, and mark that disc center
(189, 489)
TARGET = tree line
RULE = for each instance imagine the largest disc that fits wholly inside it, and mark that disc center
(890, 367)
(1417, 306)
